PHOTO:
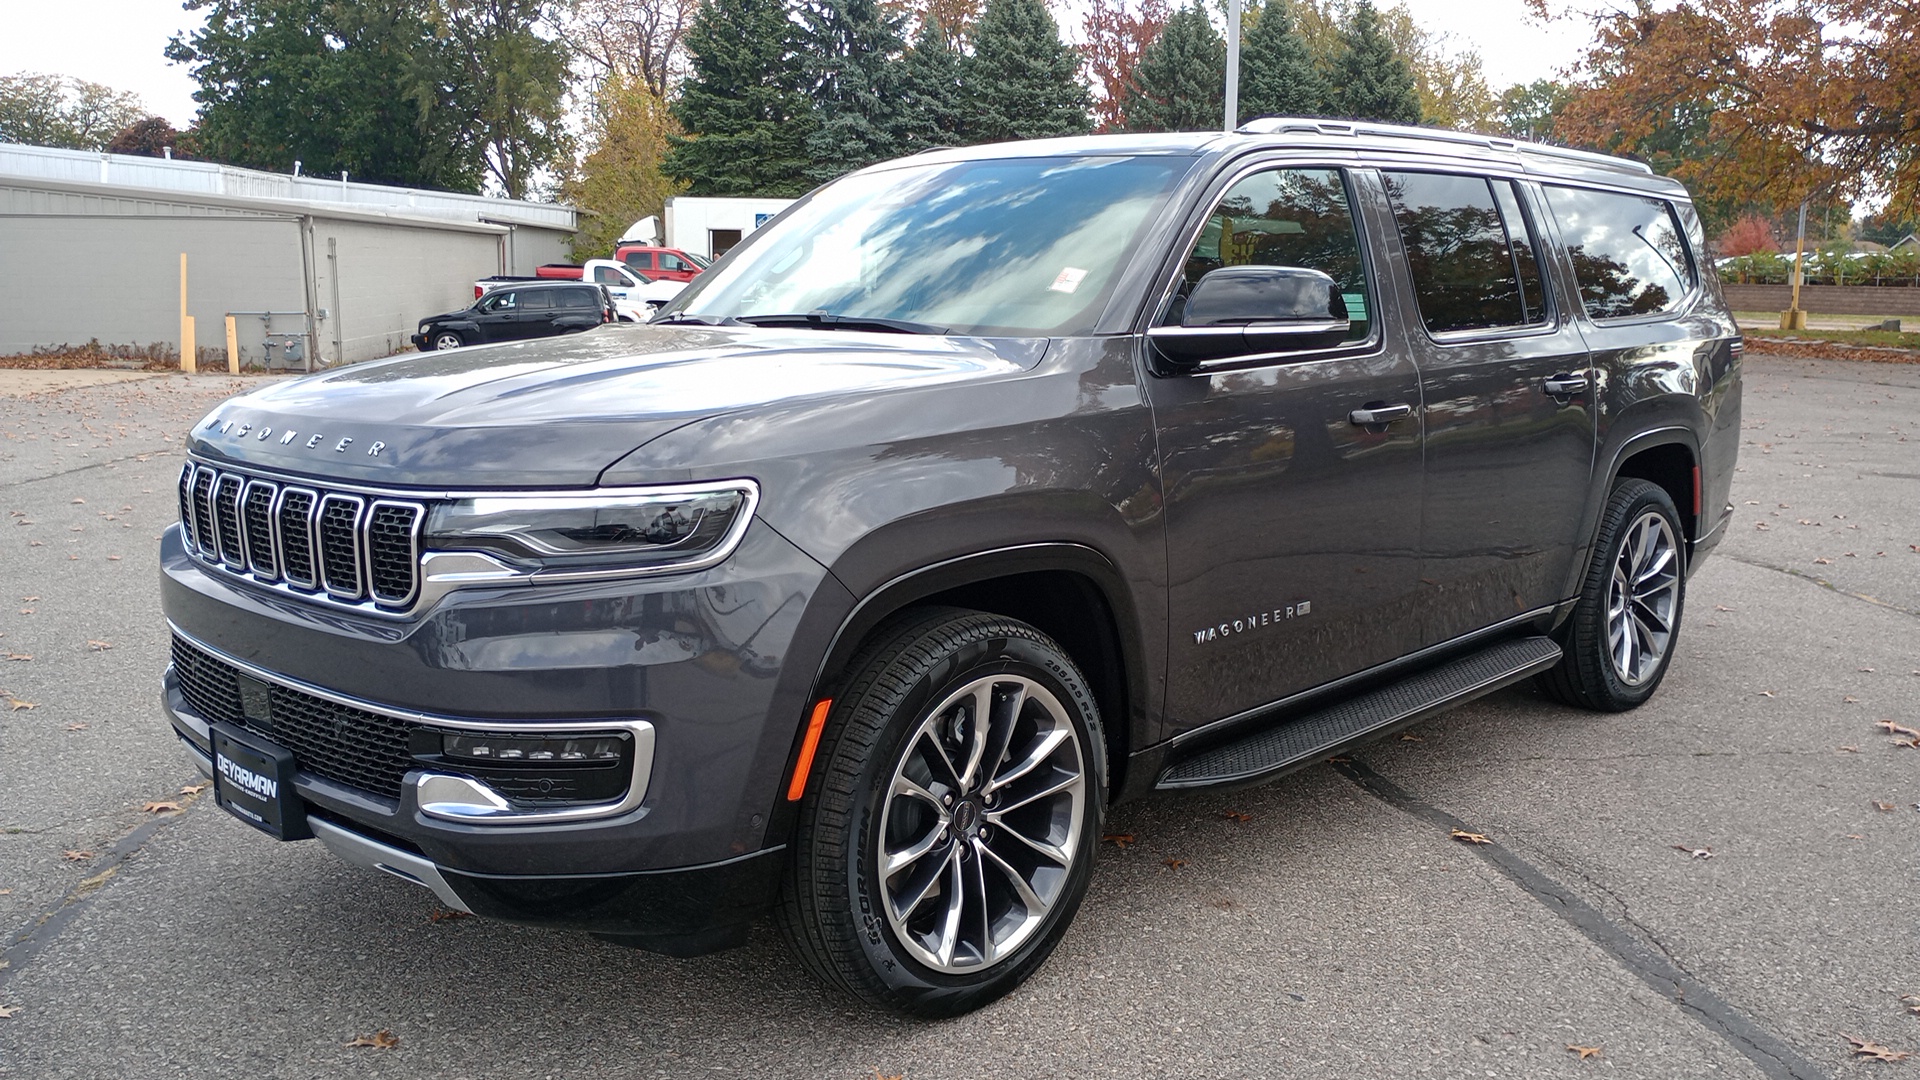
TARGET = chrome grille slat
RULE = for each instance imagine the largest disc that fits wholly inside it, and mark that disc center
(337, 532)
(341, 547)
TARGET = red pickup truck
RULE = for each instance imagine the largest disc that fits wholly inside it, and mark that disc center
(661, 263)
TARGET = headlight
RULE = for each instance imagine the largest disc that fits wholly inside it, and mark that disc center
(642, 530)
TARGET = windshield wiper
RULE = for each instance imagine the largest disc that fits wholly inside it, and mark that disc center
(820, 320)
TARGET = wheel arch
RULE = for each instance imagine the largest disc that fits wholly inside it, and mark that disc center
(1070, 592)
(1669, 458)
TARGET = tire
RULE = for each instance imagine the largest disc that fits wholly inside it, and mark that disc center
(884, 784)
(1617, 651)
(447, 339)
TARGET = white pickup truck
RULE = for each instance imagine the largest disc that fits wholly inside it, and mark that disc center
(635, 295)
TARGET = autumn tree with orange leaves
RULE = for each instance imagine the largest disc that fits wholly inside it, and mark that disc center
(1756, 102)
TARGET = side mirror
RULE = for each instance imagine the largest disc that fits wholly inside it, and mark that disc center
(1244, 310)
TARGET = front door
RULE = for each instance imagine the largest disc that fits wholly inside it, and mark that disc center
(1504, 371)
(1293, 532)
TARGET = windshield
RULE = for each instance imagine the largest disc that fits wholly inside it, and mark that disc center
(1011, 247)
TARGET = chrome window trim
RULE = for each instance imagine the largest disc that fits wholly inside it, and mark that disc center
(640, 731)
(359, 546)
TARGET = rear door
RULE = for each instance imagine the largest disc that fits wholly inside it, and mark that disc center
(1510, 428)
(532, 315)
(1292, 531)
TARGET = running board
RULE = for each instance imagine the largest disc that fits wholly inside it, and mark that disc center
(1270, 752)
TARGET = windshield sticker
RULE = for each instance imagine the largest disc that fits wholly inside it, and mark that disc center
(1356, 306)
(1068, 280)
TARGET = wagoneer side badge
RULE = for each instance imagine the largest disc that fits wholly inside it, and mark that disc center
(1252, 622)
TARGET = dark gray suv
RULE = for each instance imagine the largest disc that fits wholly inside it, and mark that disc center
(983, 489)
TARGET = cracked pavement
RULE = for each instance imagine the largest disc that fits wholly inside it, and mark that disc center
(1336, 931)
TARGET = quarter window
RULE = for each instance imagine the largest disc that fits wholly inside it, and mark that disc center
(1285, 217)
(1627, 250)
(1469, 250)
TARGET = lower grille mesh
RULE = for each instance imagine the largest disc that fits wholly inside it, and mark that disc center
(350, 746)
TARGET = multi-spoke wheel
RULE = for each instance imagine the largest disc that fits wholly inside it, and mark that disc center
(947, 832)
(1620, 637)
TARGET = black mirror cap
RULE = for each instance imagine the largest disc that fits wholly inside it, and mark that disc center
(1246, 294)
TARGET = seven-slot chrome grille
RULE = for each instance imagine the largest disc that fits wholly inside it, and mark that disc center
(339, 546)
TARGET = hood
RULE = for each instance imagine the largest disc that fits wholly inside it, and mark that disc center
(557, 411)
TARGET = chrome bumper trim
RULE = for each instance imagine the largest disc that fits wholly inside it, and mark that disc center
(374, 855)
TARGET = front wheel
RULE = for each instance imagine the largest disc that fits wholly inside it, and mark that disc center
(447, 339)
(947, 832)
(1621, 636)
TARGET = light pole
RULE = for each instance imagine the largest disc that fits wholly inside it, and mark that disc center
(1233, 65)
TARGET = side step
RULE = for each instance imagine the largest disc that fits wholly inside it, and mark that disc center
(1269, 752)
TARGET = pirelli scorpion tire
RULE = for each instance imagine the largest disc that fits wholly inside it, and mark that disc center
(1622, 634)
(948, 827)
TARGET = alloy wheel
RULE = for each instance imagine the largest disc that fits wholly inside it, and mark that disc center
(1643, 598)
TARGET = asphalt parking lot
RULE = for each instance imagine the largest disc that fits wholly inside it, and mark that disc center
(1720, 883)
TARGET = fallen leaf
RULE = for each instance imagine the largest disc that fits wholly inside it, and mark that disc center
(1912, 1002)
(29, 599)
(159, 807)
(1173, 864)
(1585, 1052)
(79, 502)
(1694, 852)
(1849, 699)
(1873, 1051)
(1864, 669)
(1892, 728)
(113, 558)
(382, 1039)
(7, 1011)
(1883, 807)
(1118, 839)
(195, 789)
(1849, 750)
(1723, 607)
(1234, 815)
(20, 656)
(99, 646)
(1466, 837)
(448, 915)
(1766, 693)
(14, 704)
(26, 611)
(76, 726)
(76, 855)
(878, 1075)
(1407, 736)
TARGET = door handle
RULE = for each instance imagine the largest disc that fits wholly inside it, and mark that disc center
(1566, 384)
(1379, 414)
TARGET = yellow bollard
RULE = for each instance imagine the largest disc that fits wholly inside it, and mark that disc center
(186, 323)
(233, 348)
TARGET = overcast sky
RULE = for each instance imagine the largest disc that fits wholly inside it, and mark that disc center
(119, 43)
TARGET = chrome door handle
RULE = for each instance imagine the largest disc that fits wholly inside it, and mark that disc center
(1565, 384)
(1380, 414)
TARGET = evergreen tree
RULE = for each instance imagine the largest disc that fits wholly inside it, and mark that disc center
(1022, 82)
(1370, 80)
(1277, 76)
(854, 48)
(931, 91)
(1177, 86)
(746, 110)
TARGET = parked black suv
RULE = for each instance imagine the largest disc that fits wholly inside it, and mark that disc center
(982, 489)
(532, 310)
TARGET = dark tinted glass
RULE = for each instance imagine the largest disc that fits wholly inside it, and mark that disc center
(1467, 272)
(1627, 251)
(536, 300)
(1524, 244)
(587, 299)
(1285, 217)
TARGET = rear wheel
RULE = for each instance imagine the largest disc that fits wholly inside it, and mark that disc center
(1623, 630)
(447, 339)
(948, 828)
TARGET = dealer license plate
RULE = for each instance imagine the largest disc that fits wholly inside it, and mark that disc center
(253, 780)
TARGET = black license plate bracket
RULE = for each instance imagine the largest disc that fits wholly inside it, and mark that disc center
(253, 781)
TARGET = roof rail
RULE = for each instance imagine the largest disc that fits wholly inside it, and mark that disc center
(1303, 125)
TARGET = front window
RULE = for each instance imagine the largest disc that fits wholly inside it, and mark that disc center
(1016, 247)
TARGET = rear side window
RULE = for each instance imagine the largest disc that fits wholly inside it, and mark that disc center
(1470, 251)
(1627, 250)
(587, 299)
(536, 300)
(639, 260)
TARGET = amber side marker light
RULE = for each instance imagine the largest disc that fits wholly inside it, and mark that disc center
(815, 725)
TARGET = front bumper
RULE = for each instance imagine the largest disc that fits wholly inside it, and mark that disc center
(717, 665)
